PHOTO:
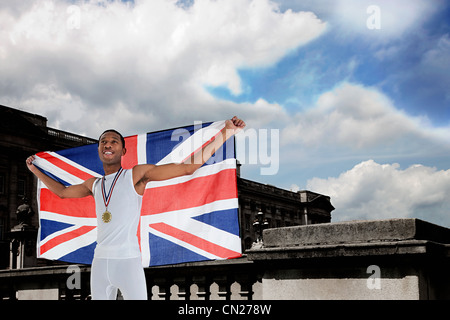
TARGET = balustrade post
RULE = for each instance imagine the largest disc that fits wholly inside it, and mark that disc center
(219, 288)
(162, 290)
(200, 288)
(235, 290)
(178, 289)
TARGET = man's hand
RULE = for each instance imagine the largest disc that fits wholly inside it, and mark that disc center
(30, 164)
(235, 124)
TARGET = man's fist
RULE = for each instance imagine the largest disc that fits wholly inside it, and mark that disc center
(235, 124)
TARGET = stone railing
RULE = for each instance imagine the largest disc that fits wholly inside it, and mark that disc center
(236, 279)
(64, 135)
(384, 259)
(381, 259)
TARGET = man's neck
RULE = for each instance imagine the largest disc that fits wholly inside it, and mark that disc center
(111, 168)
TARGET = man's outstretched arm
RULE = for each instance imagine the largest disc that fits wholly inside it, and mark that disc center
(75, 191)
(142, 174)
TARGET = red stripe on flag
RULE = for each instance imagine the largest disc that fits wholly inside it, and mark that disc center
(193, 193)
(130, 159)
(195, 241)
(65, 237)
(79, 207)
(64, 166)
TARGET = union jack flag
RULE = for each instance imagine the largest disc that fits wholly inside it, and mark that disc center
(189, 218)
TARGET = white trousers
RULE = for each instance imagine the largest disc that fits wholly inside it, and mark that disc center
(108, 275)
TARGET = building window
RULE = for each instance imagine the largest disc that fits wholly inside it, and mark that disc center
(2, 183)
(2, 228)
(247, 222)
(21, 187)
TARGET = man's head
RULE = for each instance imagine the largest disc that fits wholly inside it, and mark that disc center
(111, 146)
(116, 132)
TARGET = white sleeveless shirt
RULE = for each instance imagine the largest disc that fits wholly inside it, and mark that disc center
(117, 239)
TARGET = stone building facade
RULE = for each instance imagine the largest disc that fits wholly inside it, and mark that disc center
(264, 206)
(23, 134)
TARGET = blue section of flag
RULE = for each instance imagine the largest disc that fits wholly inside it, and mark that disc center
(50, 226)
(226, 220)
(83, 255)
(160, 245)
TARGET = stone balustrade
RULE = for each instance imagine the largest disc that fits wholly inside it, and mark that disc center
(236, 279)
(383, 259)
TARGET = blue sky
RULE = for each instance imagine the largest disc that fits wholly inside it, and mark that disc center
(310, 70)
(363, 114)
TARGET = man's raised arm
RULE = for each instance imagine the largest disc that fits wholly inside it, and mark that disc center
(142, 174)
(75, 191)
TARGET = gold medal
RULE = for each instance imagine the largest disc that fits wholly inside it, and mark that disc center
(106, 216)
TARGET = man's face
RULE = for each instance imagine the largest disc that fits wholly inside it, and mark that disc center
(110, 148)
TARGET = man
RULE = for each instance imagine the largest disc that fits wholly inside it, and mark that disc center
(118, 199)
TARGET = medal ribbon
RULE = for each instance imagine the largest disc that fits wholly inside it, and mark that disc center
(107, 197)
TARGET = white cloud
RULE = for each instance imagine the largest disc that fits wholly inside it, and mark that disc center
(382, 191)
(356, 117)
(351, 123)
(152, 58)
(435, 66)
(396, 18)
(348, 18)
(439, 56)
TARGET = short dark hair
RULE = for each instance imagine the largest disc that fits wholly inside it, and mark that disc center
(115, 131)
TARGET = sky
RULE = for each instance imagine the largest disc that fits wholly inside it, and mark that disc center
(348, 98)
